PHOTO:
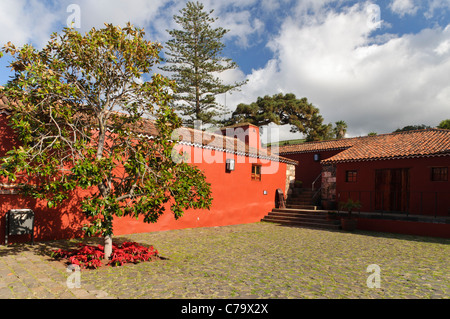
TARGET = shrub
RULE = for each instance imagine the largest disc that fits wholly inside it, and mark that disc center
(88, 256)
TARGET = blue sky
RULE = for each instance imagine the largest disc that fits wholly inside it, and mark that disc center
(378, 65)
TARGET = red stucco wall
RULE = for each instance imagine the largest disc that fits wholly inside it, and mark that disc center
(237, 199)
(426, 197)
(308, 169)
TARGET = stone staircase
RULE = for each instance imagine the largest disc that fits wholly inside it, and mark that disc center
(301, 198)
(300, 211)
(302, 218)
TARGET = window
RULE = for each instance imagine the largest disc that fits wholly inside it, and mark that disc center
(351, 176)
(256, 172)
(439, 174)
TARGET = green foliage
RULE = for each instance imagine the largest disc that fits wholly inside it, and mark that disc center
(194, 61)
(340, 129)
(350, 205)
(445, 124)
(282, 109)
(79, 105)
(412, 128)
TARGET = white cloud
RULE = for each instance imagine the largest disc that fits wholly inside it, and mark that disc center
(329, 55)
(241, 27)
(403, 7)
(118, 12)
(33, 21)
(238, 16)
(25, 21)
(333, 61)
(436, 5)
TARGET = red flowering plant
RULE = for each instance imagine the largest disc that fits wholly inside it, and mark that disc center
(91, 257)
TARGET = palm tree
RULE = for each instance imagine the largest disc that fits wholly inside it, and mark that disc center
(340, 129)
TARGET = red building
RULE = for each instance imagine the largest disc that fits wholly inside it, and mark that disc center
(241, 194)
(400, 178)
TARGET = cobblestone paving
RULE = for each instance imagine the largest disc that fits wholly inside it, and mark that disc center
(259, 260)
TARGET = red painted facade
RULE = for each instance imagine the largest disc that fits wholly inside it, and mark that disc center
(309, 169)
(419, 195)
(412, 193)
(237, 199)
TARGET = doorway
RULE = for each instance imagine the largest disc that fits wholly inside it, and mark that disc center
(392, 190)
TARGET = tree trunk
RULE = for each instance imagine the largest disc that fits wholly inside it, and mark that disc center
(108, 246)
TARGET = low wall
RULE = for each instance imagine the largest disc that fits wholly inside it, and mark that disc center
(418, 228)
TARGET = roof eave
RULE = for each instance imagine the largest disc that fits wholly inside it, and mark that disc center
(330, 161)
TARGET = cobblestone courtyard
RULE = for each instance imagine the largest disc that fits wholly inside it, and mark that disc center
(259, 260)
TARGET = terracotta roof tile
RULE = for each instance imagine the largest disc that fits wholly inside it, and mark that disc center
(409, 144)
(196, 138)
(3, 101)
(327, 145)
(220, 142)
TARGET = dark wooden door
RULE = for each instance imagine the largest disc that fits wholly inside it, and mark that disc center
(392, 189)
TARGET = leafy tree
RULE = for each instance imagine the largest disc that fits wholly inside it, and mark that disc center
(283, 109)
(445, 124)
(81, 103)
(194, 61)
(412, 128)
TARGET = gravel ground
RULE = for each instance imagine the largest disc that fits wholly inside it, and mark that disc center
(261, 260)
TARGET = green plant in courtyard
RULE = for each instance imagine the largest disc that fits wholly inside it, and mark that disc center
(78, 107)
(348, 222)
(350, 205)
(89, 256)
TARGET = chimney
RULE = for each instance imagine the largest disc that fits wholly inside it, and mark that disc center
(246, 132)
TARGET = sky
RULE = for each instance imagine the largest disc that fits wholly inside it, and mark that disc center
(377, 65)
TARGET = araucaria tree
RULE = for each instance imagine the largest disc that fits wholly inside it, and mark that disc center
(78, 107)
(194, 61)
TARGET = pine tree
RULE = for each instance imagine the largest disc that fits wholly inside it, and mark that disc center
(194, 60)
(284, 109)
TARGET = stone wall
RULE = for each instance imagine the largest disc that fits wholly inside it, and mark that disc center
(290, 178)
(329, 183)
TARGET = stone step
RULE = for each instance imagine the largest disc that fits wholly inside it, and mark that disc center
(307, 213)
(303, 223)
(301, 206)
(298, 191)
(298, 219)
(302, 217)
(306, 192)
(300, 202)
(300, 197)
(301, 211)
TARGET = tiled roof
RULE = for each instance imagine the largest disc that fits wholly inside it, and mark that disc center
(328, 145)
(219, 142)
(3, 102)
(419, 143)
(196, 138)
(409, 144)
